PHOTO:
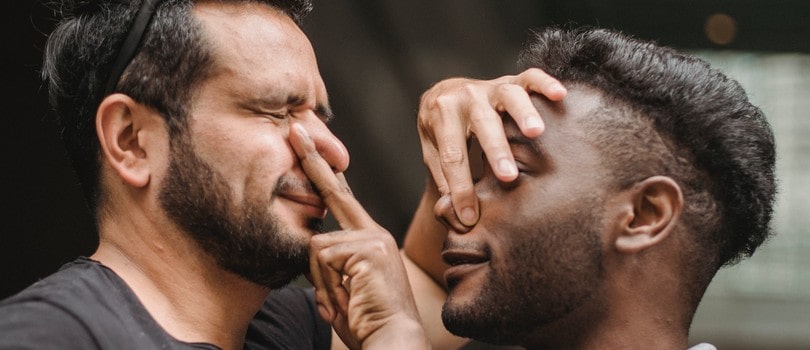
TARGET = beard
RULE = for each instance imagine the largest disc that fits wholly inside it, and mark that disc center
(551, 267)
(244, 238)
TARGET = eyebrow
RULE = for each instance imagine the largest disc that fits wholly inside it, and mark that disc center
(323, 111)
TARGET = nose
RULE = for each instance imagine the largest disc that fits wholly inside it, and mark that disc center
(328, 145)
(443, 211)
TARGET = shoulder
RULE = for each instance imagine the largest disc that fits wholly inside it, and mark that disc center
(48, 313)
(40, 325)
(80, 285)
(703, 346)
(82, 306)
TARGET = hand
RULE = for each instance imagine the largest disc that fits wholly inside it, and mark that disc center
(453, 110)
(361, 286)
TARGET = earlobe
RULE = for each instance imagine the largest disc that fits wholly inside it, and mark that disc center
(656, 206)
(118, 127)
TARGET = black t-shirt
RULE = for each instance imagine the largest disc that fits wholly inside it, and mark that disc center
(87, 306)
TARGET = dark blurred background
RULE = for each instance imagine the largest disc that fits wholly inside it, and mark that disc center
(377, 57)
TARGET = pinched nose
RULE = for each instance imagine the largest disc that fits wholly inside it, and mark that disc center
(327, 144)
(331, 149)
(443, 211)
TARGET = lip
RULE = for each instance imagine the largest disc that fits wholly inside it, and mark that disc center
(313, 205)
(462, 264)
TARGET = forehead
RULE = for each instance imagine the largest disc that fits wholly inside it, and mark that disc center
(563, 119)
(260, 49)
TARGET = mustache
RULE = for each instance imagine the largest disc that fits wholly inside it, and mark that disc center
(451, 244)
(290, 183)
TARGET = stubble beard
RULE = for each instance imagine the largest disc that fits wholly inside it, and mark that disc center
(244, 238)
(548, 272)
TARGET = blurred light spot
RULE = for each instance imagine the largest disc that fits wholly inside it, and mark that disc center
(721, 28)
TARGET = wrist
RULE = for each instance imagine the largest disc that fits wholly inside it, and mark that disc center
(406, 334)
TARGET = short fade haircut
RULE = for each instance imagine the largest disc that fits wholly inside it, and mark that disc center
(173, 59)
(669, 113)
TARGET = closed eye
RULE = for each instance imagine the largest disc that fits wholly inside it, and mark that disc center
(278, 115)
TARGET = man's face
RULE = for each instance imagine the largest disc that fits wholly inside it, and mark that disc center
(233, 182)
(535, 256)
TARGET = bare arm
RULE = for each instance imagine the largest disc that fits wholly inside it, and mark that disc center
(361, 286)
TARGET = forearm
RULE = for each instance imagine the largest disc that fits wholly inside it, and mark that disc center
(421, 254)
(404, 335)
(425, 237)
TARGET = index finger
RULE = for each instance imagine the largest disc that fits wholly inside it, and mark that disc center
(332, 187)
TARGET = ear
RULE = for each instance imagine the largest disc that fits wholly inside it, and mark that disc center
(120, 125)
(656, 206)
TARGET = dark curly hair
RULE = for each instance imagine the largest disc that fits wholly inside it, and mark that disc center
(172, 60)
(669, 113)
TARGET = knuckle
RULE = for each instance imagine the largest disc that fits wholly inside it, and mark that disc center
(480, 114)
(379, 246)
(322, 255)
(316, 243)
(382, 246)
(443, 189)
(464, 189)
(470, 88)
(442, 103)
(505, 89)
(451, 156)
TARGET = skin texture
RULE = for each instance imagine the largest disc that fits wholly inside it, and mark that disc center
(181, 210)
(535, 256)
(203, 206)
(683, 184)
(238, 129)
(361, 283)
(455, 109)
(562, 257)
(255, 210)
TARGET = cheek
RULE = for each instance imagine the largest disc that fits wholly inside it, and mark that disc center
(248, 158)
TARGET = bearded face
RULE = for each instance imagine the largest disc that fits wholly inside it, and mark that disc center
(244, 237)
(539, 273)
(533, 264)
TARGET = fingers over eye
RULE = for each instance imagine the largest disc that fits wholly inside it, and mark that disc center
(537, 80)
(517, 103)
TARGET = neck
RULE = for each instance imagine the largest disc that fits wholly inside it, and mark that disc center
(630, 314)
(181, 287)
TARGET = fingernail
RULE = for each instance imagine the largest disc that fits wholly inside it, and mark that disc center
(558, 88)
(468, 216)
(533, 122)
(506, 167)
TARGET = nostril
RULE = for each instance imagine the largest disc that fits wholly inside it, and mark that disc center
(445, 213)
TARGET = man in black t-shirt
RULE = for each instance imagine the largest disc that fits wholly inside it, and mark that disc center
(86, 306)
(177, 118)
(176, 115)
